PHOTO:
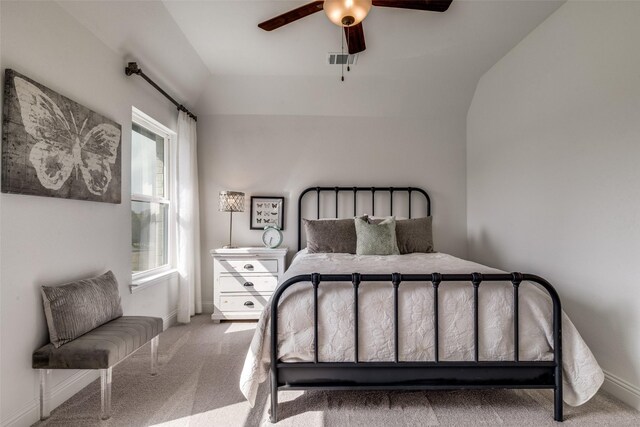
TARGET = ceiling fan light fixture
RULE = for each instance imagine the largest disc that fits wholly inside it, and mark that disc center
(347, 13)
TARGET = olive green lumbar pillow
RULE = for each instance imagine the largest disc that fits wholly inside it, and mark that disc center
(376, 239)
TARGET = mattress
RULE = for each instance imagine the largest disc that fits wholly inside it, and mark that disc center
(582, 376)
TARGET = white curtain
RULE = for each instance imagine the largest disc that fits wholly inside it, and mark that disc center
(188, 220)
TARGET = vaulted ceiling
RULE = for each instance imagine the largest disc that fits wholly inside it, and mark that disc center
(213, 54)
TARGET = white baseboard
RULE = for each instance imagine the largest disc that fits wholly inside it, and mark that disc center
(207, 307)
(60, 393)
(623, 390)
(170, 319)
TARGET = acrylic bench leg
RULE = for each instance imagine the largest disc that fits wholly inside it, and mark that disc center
(44, 393)
(154, 355)
(105, 393)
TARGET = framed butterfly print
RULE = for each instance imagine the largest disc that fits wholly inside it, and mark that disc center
(53, 146)
(266, 210)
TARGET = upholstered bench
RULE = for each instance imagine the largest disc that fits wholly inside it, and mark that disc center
(72, 312)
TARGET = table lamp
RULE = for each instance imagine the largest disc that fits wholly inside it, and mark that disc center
(230, 201)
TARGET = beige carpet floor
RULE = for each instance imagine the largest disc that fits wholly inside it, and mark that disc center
(200, 364)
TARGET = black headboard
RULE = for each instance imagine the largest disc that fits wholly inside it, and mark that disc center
(355, 191)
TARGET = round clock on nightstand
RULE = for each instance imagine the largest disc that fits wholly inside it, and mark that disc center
(272, 236)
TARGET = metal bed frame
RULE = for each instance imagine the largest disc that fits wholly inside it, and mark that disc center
(420, 375)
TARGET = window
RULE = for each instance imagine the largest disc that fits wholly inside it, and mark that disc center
(151, 210)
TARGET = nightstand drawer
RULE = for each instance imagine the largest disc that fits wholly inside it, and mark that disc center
(247, 282)
(243, 303)
(250, 265)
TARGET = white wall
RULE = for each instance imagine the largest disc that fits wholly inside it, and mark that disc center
(51, 241)
(553, 180)
(282, 155)
(145, 32)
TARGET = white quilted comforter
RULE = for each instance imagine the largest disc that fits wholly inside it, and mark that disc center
(582, 375)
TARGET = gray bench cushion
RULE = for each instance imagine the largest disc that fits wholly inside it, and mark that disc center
(102, 347)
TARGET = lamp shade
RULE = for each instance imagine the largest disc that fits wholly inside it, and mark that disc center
(231, 201)
(346, 13)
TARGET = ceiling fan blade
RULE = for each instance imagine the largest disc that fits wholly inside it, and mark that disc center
(432, 5)
(355, 38)
(292, 15)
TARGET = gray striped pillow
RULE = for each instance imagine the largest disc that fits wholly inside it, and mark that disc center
(78, 307)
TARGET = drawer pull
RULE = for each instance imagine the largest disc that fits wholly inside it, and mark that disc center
(247, 282)
(248, 267)
(249, 304)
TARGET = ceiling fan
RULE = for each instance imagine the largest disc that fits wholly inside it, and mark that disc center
(349, 14)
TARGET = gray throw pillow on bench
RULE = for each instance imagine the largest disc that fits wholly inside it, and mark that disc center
(78, 307)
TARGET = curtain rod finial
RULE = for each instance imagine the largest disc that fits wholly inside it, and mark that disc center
(132, 68)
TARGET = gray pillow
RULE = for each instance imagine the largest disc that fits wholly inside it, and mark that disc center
(78, 307)
(376, 239)
(330, 235)
(413, 235)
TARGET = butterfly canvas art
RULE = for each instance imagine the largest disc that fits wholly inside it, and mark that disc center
(266, 210)
(53, 146)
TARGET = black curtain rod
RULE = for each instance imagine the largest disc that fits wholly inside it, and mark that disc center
(132, 68)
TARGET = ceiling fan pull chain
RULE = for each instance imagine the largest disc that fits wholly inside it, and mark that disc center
(348, 67)
(342, 53)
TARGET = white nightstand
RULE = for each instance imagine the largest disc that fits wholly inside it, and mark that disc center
(243, 281)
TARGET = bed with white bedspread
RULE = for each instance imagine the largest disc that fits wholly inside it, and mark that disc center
(417, 321)
(582, 375)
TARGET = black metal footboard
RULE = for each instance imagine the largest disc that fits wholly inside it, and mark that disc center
(423, 375)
